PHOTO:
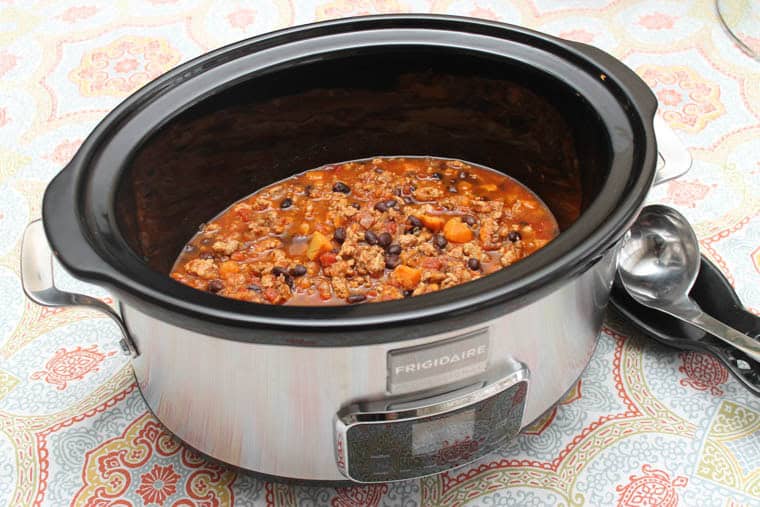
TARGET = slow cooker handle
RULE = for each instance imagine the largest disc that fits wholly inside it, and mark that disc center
(39, 285)
(673, 159)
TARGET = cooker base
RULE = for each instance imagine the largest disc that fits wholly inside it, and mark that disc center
(319, 483)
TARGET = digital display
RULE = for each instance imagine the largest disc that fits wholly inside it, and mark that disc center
(402, 449)
(429, 437)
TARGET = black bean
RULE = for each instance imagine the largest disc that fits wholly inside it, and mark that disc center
(307, 190)
(341, 187)
(378, 170)
(298, 270)
(277, 271)
(215, 285)
(340, 234)
(289, 280)
(437, 176)
(356, 298)
(408, 200)
(397, 191)
(207, 241)
(384, 239)
(370, 237)
(514, 236)
(188, 248)
(356, 205)
(414, 221)
(381, 207)
(469, 220)
(254, 288)
(286, 203)
(391, 203)
(452, 189)
(408, 293)
(391, 261)
(473, 263)
(439, 241)
(206, 255)
(394, 249)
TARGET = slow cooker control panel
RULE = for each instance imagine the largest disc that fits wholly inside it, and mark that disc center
(423, 437)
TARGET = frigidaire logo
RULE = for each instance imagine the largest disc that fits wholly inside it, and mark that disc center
(440, 361)
(430, 365)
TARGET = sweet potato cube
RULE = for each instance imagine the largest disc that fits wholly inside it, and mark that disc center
(318, 245)
(457, 231)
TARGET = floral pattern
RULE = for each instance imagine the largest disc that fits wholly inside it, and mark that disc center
(689, 101)
(703, 372)
(645, 425)
(158, 484)
(686, 193)
(123, 66)
(112, 469)
(66, 366)
(654, 488)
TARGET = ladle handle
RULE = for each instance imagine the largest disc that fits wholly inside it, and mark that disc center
(727, 334)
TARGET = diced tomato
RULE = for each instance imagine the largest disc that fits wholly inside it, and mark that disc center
(327, 259)
(432, 263)
(238, 256)
(245, 214)
(271, 294)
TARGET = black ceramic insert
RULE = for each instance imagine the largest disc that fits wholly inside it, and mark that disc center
(568, 120)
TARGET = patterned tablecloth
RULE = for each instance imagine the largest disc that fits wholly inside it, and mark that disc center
(645, 425)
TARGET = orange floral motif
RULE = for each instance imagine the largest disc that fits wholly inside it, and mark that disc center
(756, 259)
(74, 14)
(7, 62)
(669, 97)
(158, 484)
(484, 13)
(64, 152)
(657, 21)
(579, 35)
(690, 102)
(703, 372)
(111, 468)
(359, 496)
(241, 18)
(4, 120)
(343, 8)
(66, 366)
(686, 193)
(123, 66)
(655, 488)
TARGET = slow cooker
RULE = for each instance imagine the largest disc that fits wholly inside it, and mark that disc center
(375, 392)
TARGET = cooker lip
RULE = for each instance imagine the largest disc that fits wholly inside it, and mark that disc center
(82, 253)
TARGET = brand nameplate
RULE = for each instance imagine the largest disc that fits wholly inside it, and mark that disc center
(439, 363)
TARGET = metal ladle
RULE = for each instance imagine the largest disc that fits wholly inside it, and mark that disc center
(658, 264)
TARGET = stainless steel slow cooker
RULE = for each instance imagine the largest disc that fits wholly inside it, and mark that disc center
(374, 392)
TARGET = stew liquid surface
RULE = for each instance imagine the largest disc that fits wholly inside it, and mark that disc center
(364, 231)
